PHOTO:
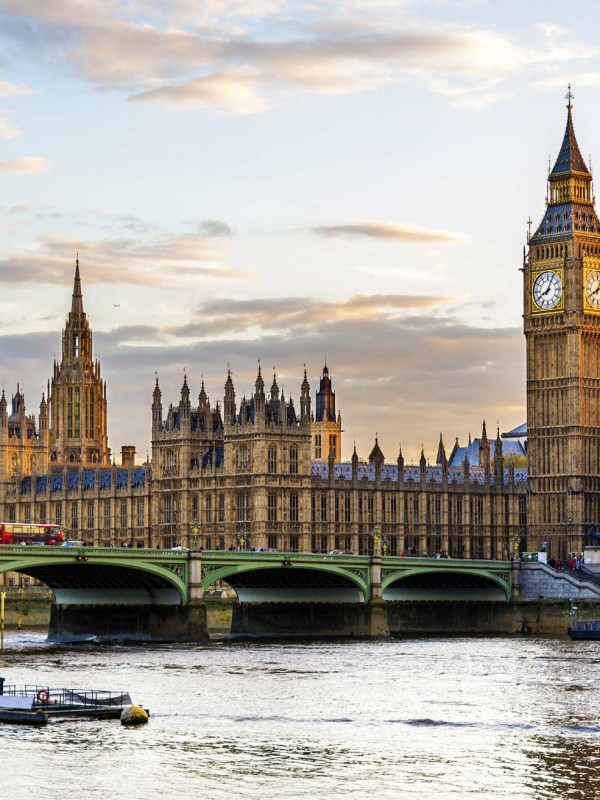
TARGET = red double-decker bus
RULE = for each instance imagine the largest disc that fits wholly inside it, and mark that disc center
(30, 533)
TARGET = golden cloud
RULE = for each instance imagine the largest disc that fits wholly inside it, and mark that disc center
(390, 231)
(26, 164)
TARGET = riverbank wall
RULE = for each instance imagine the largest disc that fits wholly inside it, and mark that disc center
(405, 618)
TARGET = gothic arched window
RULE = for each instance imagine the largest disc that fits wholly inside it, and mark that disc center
(293, 460)
(272, 459)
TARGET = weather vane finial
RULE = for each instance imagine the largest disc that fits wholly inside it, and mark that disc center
(569, 96)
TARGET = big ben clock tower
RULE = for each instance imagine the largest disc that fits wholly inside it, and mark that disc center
(562, 331)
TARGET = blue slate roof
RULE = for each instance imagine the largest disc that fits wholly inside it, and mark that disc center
(139, 477)
(516, 433)
(569, 156)
(567, 217)
(509, 448)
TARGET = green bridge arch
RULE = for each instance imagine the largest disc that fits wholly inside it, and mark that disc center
(395, 577)
(89, 573)
(225, 572)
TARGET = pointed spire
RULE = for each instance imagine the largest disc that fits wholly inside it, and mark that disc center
(422, 460)
(259, 384)
(202, 398)
(484, 437)
(274, 387)
(441, 453)
(376, 455)
(569, 157)
(185, 390)
(77, 302)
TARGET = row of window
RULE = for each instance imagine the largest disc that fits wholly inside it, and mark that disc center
(53, 512)
(319, 445)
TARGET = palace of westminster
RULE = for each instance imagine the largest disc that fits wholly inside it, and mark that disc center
(266, 473)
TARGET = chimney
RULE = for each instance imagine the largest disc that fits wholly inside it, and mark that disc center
(128, 456)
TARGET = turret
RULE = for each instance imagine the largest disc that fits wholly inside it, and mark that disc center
(156, 408)
(229, 402)
(305, 400)
(498, 459)
(185, 406)
(354, 463)
(3, 412)
(400, 465)
(274, 389)
(282, 409)
(43, 420)
(203, 403)
(423, 465)
(441, 453)
(377, 458)
(325, 399)
(484, 448)
(259, 397)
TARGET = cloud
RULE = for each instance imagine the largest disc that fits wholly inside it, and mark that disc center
(8, 89)
(284, 316)
(214, 227)
(166, 260)
(7, 131)
(25, 164)
(407, 372)
(389, 231)
(183, 56)
(228, 92)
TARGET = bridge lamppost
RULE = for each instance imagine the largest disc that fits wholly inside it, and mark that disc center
(376, 539)
(385, 543)
(195, 533)
(242, 541)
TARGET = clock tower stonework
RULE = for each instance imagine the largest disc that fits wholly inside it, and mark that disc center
(562, 330)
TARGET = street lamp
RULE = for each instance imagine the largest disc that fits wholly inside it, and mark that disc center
(195, 533)
(376, 539)
(242, 541)
(385, 543)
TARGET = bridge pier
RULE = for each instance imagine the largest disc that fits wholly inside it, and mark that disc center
(314, 620)
(135, 623)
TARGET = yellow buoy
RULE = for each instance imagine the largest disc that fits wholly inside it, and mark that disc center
(134, 715)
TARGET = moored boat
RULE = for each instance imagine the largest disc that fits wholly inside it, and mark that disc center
(36, 705)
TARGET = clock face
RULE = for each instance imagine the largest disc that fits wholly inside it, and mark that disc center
(592, 289)
(547, 290)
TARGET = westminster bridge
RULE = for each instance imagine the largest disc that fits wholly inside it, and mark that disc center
(144, 594)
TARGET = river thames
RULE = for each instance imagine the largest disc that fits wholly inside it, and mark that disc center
(416, 718)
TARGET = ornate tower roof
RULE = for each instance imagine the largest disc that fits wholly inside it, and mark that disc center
(570, 202)
(77, 302)
(376, 454)
(325, 399)
(569, 158)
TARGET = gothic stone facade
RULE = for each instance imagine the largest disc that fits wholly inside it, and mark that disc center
(264, 473)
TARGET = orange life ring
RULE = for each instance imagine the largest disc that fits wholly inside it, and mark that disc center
(43, 696)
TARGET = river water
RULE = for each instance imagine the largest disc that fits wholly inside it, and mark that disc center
(417, 718)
